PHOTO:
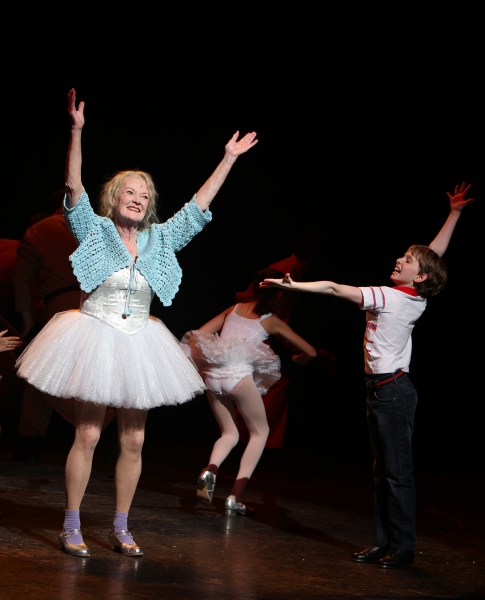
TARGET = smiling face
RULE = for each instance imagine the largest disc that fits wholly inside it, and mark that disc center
(407, 271)
(132, 200)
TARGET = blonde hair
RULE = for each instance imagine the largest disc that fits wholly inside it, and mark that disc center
(108, 199)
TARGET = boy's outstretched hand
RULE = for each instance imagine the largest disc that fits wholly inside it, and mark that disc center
(458, 201)
(286, 282)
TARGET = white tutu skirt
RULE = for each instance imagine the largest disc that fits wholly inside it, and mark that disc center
(78, 356)
(232, 358)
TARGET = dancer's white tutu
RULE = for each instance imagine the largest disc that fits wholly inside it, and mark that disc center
(77, 355)
(232, 358)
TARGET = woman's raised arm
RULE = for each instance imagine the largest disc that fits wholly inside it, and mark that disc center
(74, 156)
(232, 149)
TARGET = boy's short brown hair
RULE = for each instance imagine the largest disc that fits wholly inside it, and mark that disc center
(433, 265)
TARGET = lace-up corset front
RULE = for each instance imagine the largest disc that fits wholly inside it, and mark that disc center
(122, 301)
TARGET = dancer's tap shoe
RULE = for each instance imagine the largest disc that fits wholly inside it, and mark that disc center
(72, 549)
(396, 558)
(126, 549)
(205, 486)
(370, 555)
(233, 508)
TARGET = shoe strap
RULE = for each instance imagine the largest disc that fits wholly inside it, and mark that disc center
(124, 532)
(68, 534)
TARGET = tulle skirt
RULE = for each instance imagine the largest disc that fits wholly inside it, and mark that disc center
(232, 358)
(77, 355)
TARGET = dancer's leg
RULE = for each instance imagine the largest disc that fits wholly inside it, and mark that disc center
(223, 409)
(131, 432)
(89, 421)
(131, 429)
(250, 405)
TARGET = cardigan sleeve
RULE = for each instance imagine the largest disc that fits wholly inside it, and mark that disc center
(81, 218)
(185, 224)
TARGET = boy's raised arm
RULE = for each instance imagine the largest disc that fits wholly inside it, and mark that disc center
(458, 201)
(329, 288)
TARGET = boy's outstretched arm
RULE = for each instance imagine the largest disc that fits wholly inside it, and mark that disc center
(457, 203)
(329, 288)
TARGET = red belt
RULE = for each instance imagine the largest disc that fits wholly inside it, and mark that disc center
(394, 376)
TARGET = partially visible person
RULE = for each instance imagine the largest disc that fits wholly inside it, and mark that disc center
(43, 261)
(9, 342)
(238, 367)
(43, 266)
(391, 313)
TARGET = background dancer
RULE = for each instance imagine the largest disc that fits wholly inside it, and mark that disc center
(276, 399)
(112, 352)
(391, 396)
(238, 367)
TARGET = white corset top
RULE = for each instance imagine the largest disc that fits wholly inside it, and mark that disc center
(236, 326)
(122, 301)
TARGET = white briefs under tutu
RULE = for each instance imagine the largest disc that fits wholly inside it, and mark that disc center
(232, 359)
(78, 355)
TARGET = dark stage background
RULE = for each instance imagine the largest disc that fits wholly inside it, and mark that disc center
(366, 118)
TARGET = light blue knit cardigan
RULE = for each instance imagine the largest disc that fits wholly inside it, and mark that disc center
(101, 251)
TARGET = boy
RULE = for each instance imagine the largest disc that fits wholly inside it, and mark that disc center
(391, 397)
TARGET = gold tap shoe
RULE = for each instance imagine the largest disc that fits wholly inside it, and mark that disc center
(72, 549)
(233, 508)
(126, 549)
(206, 484)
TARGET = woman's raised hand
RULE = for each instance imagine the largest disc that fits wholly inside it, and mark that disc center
(77, 115)
(235, 148)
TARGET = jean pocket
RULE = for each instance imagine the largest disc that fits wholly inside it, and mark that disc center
(386, 393)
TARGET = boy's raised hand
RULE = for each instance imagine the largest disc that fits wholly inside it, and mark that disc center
(286, 282)
(458, 201)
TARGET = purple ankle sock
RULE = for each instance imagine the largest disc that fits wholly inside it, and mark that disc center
(72, 521)
(121, 522)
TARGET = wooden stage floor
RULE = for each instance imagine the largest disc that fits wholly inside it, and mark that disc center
(312, 513)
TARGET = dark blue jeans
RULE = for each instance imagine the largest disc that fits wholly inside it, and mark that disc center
(390, 417)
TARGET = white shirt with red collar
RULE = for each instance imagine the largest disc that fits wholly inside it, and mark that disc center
(391, 314)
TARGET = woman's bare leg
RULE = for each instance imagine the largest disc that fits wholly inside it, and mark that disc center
(89, 422)
(250, 405)
(131, 430)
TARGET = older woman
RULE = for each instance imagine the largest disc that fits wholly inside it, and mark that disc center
(112, 353)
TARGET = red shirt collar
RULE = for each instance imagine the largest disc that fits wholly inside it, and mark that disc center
(407, 290)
